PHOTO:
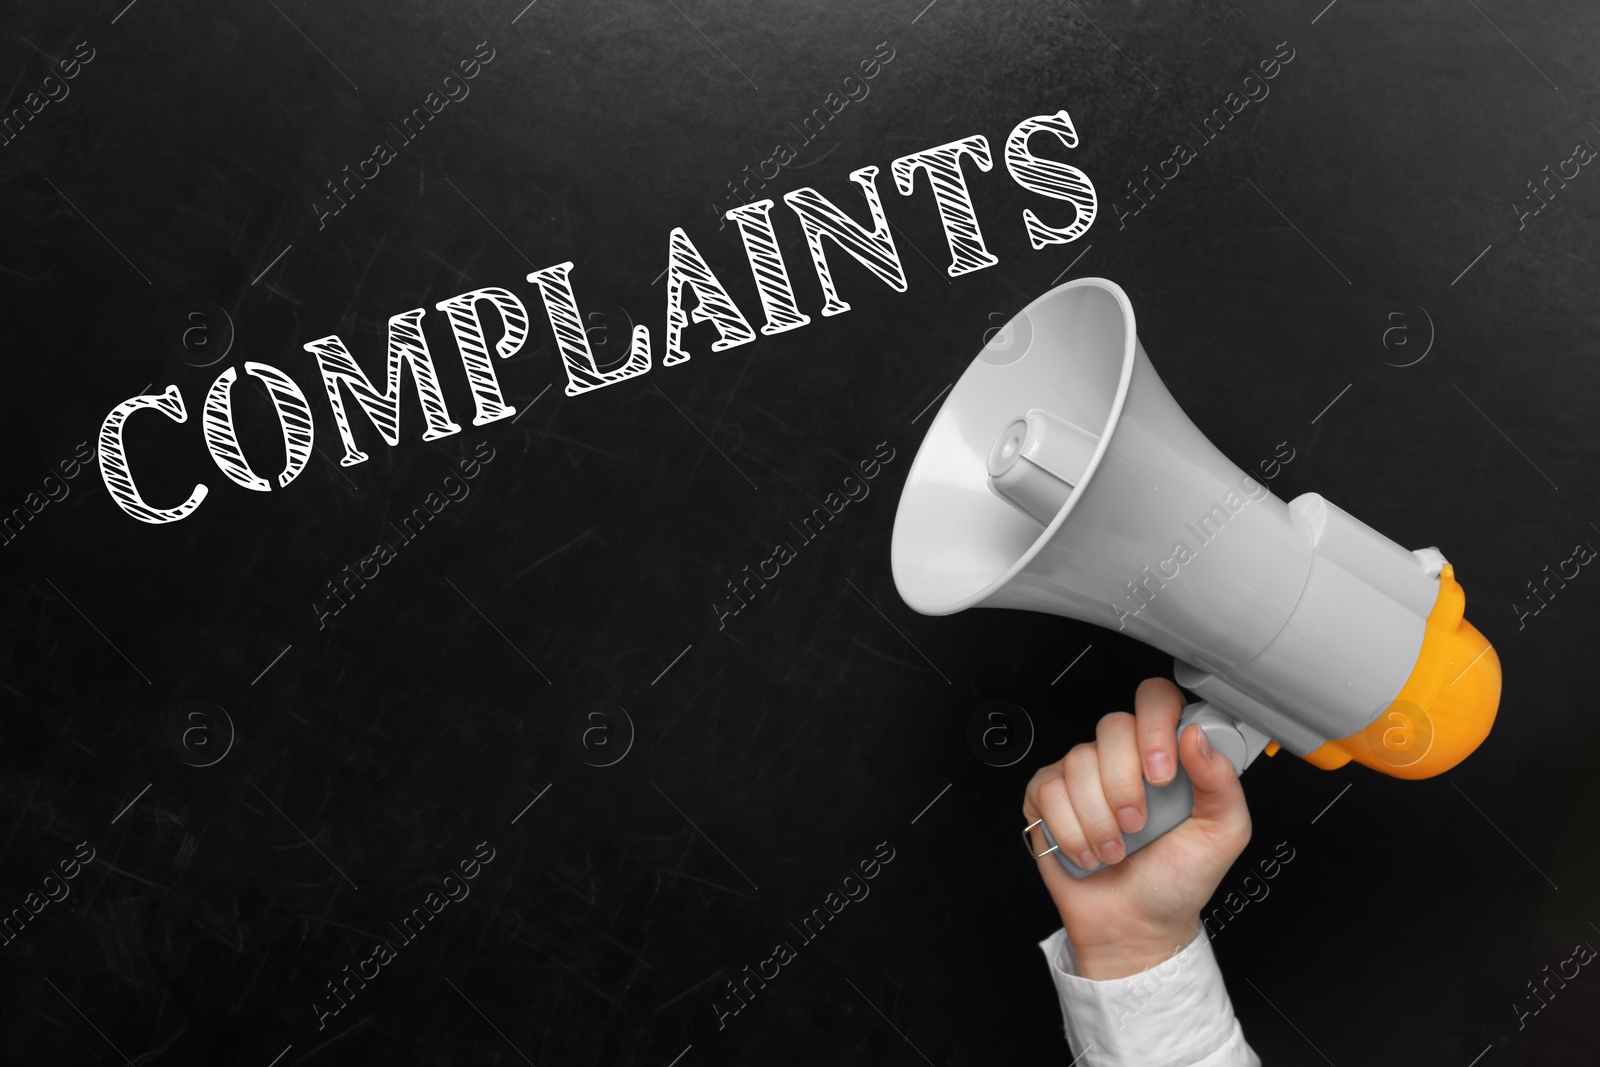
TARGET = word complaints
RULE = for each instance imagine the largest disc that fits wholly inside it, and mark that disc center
(854, 888)
(409, 929)
(783, 553)
(821, 223)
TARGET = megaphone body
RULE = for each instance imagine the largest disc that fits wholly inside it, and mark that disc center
(1060, 476)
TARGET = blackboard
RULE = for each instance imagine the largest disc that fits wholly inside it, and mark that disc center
(256, 766)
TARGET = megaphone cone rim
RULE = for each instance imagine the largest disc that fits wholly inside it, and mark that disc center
(1130, 342)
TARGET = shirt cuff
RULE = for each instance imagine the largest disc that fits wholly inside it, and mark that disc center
(1176, 1014)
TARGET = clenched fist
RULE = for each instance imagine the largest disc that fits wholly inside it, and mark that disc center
(1135, 913)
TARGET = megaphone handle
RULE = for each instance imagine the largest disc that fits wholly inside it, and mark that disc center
(1168, 805)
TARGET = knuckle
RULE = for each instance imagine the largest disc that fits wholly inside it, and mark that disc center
(1031, 790)
(1081, 756)
(1052, 791)
(1116, 720)
(1089, 800)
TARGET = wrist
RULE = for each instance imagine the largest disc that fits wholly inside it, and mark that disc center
(1102, 959)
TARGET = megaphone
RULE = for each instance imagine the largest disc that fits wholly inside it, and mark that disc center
(1060, 476)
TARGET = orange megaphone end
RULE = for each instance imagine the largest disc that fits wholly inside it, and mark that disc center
(1445, 708)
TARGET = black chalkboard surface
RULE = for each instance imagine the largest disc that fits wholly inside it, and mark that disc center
(488, 749)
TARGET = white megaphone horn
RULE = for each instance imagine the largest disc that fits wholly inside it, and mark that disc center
(1060, 476)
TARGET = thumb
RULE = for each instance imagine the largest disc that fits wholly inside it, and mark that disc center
(1218, 797)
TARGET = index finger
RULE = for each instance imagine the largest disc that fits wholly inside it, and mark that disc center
(1157, 704)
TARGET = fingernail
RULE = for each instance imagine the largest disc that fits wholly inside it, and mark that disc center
(1205, 745)
(1129, 819)
(1087, 859)
(1160, 767)
(1111, 851)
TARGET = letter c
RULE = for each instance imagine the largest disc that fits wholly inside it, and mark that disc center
(1163, 173)
(763, 573)
(361, 169)
(114, 468)
(762, 969)
(362, 971)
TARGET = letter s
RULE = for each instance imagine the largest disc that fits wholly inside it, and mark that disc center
(1058, 181)
(114, 459)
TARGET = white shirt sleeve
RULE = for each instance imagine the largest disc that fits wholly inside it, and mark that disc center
(1176, 1014)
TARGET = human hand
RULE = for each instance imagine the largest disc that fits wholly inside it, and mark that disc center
(1133, 914)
